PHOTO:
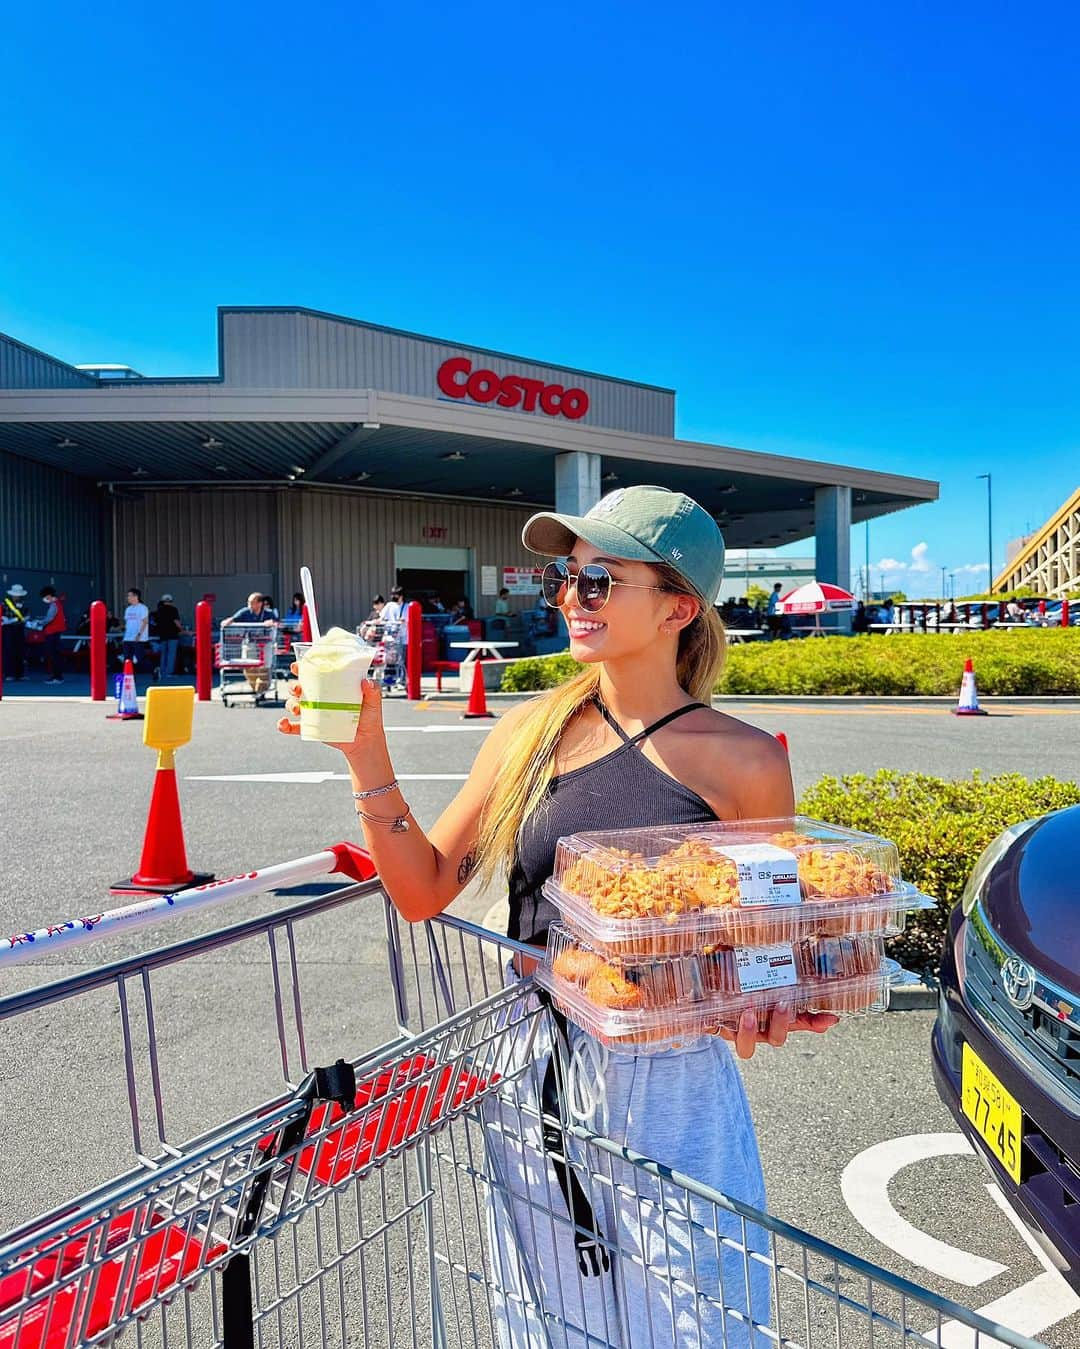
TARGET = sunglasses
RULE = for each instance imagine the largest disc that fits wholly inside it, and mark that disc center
(592, 583)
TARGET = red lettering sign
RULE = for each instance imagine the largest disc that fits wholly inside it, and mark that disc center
(458, 379)
(435, 531)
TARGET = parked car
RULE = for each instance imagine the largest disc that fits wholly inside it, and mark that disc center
(1006, 1043)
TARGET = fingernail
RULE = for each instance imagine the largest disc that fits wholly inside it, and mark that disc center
(749, 1020)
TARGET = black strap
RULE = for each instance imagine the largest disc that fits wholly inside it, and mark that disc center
(649, 730)
(337, 1084)
(593, 1258)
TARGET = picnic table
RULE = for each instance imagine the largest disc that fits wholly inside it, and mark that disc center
(478, 650)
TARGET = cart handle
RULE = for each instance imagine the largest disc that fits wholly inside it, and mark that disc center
(343, 858)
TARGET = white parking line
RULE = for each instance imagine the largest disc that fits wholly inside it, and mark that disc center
(865, 1187)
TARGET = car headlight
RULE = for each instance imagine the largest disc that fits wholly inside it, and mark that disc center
(989, 859)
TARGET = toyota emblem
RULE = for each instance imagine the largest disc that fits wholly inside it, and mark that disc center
(1018, 982)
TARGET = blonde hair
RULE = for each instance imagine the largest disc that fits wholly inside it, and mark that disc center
(529, 764)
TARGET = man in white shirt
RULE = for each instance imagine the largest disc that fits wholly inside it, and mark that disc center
(394, 607)
(136, 626)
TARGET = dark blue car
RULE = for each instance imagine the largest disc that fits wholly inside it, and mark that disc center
(1006, 1043)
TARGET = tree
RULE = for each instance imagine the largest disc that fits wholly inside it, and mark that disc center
(756, 595)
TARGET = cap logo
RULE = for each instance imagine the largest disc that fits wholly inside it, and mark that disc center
(676, 553)
(606, 504)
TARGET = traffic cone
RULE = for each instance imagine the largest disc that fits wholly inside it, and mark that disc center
(163, 866)
(477, 697)
(968, 703)
(127, 704)
(783, 740)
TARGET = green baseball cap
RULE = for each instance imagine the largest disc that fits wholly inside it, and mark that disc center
(641, 524)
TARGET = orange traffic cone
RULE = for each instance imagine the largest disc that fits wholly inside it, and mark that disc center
(968, 703)
(783, 740)
(127, 705)
(163, 866)
(477, 696)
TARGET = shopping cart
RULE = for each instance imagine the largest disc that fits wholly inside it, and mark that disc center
(247, 664)
(389, 638)
(355, 1204)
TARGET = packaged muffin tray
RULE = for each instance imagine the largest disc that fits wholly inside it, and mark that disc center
(671, 1002)
(677, 889)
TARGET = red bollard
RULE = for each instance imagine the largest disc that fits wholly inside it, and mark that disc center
(99, 617)
(1064, 613)
(1, 673)
(204, 651)
(305, 624)
(414, 652)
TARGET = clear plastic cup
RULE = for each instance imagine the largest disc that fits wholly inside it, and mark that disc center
(331, 672)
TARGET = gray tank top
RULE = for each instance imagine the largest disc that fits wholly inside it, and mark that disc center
(623, 790)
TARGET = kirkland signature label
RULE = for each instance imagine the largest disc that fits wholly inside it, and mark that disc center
(765, 966)
(767, 875)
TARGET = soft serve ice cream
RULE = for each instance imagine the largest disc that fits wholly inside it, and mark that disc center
(331, 673)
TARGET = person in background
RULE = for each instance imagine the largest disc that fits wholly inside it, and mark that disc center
(502, 604)
(52, 628)
(462, 612)
(136, 626)
(253, 612)
(294, 614)
(885, 613)
(392, 611)
(377, 605)
(14, 615)
(268, 609)
(167, 622)
(772, 618)
(860, 622)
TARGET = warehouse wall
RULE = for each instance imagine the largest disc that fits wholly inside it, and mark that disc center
(346, 538)
(51, 532)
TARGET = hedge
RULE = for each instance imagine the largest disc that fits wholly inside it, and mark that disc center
(940, 827)
(1043, 661)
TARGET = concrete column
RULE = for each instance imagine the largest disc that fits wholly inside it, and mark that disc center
(577, 482)
(832, 545)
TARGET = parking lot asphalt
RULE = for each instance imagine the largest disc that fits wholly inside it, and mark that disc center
(75, 789)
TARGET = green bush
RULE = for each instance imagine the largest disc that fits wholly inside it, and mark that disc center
(940, 827)
(1044, 661)
(538, 672)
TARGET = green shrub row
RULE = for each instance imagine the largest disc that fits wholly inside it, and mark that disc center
(940, 827)
(1044, 661)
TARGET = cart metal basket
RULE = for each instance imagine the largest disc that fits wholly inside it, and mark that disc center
(354, 1206)
(247, 663)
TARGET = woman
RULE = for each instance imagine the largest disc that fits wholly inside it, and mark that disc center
(168, 625)
(630, 741)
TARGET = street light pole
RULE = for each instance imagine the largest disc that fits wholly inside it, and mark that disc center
(989, 532)
(943, 595)
(866, 583)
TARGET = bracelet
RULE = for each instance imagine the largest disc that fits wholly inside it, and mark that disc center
(399, 824)
(375, 791)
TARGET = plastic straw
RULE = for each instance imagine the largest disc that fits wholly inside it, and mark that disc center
(309, 599)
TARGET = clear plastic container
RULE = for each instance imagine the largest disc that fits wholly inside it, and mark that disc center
(675, 889)
(666, 1004)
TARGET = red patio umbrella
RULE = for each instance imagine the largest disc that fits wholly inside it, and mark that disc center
(816, 597)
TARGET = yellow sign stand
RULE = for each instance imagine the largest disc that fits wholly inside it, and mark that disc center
(169, 717)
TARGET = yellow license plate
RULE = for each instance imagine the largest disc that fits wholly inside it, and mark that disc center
(993, 1111)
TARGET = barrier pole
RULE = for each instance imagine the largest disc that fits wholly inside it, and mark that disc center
(204, 650)
(99, 617)
(1065, 613)
(342, 858)
(414, 652)
(1, 671)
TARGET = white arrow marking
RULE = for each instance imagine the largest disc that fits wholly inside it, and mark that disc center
(316, 777)
(865, 1187)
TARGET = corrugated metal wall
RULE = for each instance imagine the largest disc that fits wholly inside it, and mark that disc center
(297, 350)
(49, 521)
(22, 367)
(347, 538)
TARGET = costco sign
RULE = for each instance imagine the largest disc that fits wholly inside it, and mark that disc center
(458, 379)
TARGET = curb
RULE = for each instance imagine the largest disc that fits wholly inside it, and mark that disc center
(912, 998)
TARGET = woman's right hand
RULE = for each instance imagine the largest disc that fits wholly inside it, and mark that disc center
(369, 730)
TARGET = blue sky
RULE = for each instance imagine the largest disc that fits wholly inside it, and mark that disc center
(838, 230)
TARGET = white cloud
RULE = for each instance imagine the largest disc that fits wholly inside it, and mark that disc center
(919, 559)
(971, 568)
(891, 564)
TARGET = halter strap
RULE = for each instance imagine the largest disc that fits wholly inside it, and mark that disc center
(642, 735)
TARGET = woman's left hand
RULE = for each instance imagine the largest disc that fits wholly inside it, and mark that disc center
(781, 1023)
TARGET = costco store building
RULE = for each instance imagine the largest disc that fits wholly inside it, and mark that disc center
(374, 456)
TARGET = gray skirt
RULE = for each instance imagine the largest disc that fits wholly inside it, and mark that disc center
(676, 1271)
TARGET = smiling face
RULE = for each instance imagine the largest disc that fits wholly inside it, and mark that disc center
(636, 616)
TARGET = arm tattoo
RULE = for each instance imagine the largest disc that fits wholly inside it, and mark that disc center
(465, 870)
